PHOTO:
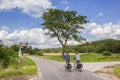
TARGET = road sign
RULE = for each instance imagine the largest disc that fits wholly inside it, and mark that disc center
(22, 44)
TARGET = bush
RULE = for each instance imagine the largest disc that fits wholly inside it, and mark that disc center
(39, 53)
(107, 53)
(7, 56)
(16, 72)
(36, 51)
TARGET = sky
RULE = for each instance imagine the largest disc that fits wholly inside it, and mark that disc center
(20, 20)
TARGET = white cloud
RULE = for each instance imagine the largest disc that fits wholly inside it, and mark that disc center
(3, 33)
(104, 31)
(35, 37)
(67, 8)
(90, 26)
(34, 8)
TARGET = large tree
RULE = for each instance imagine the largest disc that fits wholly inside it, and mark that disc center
(64, 25)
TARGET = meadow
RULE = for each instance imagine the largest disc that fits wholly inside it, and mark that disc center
(85, 57)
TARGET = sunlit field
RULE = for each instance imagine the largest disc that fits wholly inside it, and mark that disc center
(85, 57)
(55, 54)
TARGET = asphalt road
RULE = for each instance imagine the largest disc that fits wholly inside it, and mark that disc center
(52, 70)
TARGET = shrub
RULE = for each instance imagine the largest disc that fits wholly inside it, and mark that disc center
(7, 56)
(39, 53)
(107, 53)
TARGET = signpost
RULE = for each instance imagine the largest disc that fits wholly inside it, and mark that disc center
(21, 45)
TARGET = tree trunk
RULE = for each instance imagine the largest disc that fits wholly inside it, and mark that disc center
(63, 51)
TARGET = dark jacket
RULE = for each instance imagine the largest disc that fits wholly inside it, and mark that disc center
(67, 57)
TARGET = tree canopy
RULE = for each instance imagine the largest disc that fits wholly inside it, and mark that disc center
(65, 25)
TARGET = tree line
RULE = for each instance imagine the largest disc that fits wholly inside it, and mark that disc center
(99, 46)
(90, 47)
(9, 54)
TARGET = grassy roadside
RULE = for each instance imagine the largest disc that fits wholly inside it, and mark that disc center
(90, 57)
(117, 71)
(27, 66)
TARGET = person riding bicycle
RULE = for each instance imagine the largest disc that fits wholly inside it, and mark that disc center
(67, 58)
(77, 57)
(68, 65)
(77, 60)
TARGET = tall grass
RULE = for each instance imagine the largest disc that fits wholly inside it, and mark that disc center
(27, 66)
(117, 71)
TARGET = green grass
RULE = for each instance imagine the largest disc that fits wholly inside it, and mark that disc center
(27, 66)
(90, 57)
(117, 71)
(99, 58)
(54, 57)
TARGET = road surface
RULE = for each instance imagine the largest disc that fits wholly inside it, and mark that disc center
(52, 70)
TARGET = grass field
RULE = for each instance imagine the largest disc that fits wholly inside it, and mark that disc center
(27, 66)
(55, 54)
(117, 71)
(90, 57)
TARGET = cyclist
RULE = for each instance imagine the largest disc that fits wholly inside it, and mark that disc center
(77, 60)
(67, 58)
(68, 66)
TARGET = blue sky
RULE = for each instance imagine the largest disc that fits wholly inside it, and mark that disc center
(22, 18)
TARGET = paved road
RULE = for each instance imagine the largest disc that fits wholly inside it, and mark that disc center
(95, 66)
(52, 70)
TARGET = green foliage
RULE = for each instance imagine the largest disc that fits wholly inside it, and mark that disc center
(27, 66)
(15, 47)
(30, 50)
(7, 56)
(9, 66)
(107, 53)
(106, 45)
(37, 51)
(117, 71)
(25, 49)
(90, 47)
(63, 25)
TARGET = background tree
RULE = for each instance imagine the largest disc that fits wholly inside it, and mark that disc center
(30, 49)
(99, 46)
(64, 25)
(15, 47)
